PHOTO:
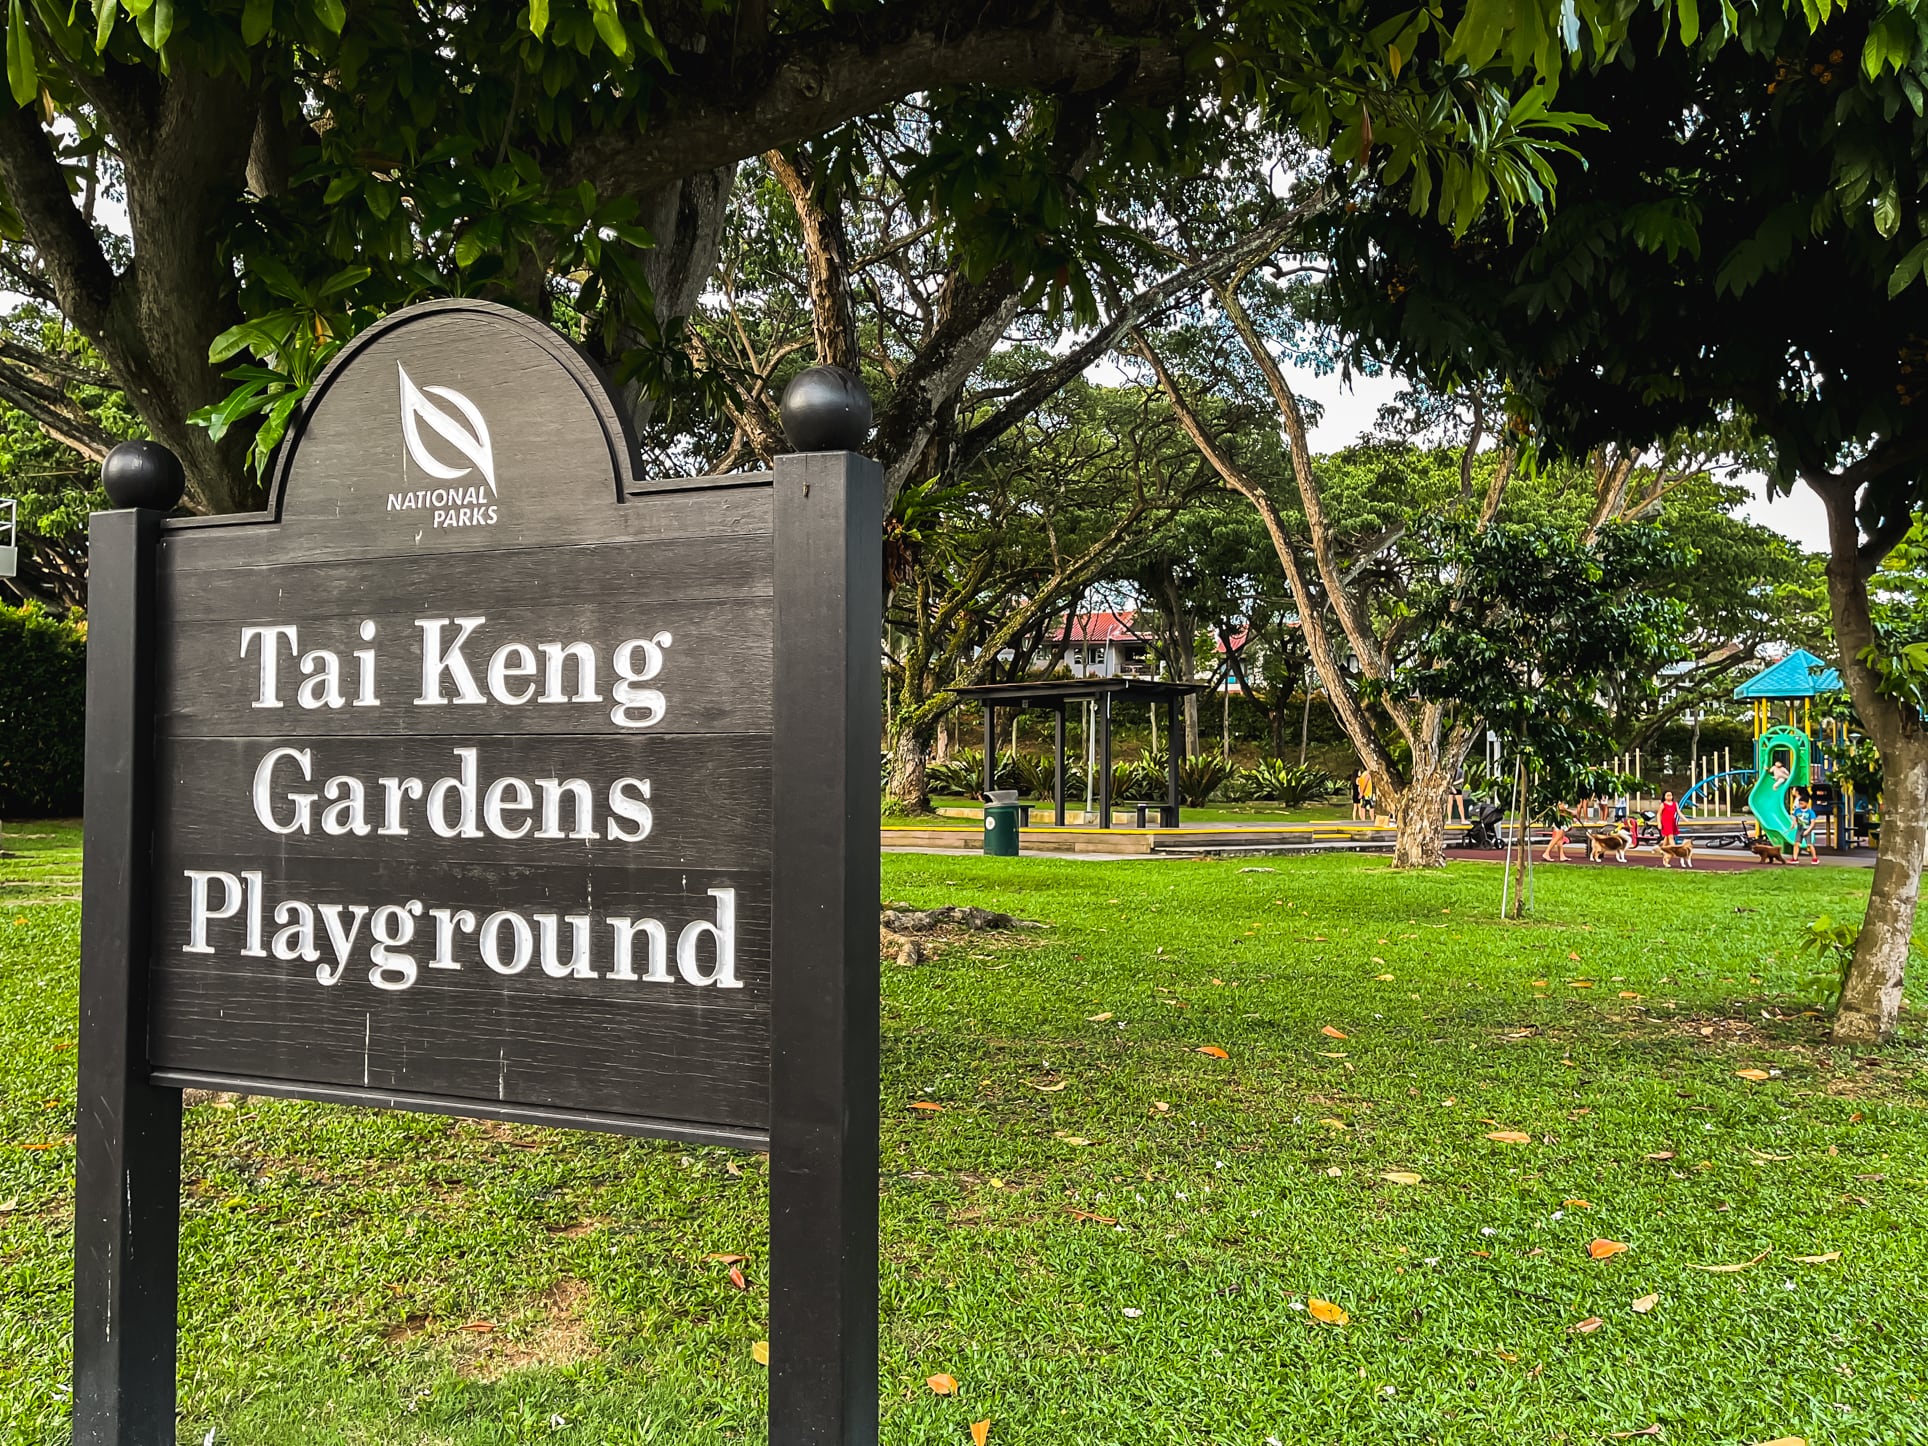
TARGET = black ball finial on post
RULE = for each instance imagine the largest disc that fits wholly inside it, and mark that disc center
(826, 409)
(143, 474)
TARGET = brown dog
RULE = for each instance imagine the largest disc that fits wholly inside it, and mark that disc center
(1604, 841)
(1682, 849)
(1767, 851)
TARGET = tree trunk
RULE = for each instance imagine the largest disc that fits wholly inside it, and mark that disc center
(909, 787)
(1420, 839)
(1871, 995)
(685, 219)
(1523, 819)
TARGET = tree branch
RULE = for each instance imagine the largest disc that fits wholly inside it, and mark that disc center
(1319, 530)
(856, 61)
(826, 249)
(55, 414)
(1344, 702)
(82, 279)
(1146, 306)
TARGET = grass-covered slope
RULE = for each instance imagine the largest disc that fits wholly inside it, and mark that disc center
(1103, 1234)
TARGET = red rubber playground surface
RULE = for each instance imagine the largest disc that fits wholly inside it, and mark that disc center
(1705, 860)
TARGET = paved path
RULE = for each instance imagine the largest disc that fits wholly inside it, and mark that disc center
(1720, 861)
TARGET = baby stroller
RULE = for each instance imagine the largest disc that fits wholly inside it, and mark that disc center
(1483, 832)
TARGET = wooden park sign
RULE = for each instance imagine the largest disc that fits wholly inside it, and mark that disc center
(477, 775)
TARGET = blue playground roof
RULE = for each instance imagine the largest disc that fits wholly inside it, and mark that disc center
(1799, 675)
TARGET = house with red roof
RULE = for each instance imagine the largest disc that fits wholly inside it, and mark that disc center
(1100, 645)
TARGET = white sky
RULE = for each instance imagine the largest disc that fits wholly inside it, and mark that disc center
(1350, 410)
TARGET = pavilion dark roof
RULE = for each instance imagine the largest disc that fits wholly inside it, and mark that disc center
(1056, 690)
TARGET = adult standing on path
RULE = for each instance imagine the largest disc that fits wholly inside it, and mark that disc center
(1669, 819)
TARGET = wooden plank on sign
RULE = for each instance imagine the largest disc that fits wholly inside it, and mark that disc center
(474, 1008)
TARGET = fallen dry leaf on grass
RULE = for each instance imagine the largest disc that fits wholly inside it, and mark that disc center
(760, 1353)
(1330, 1033)
(1071, 1139)
(1628, 994)
(1645, 1303)
(737, 1278)
(1049, 1089)
(1579, 984)
(1097, 1018)
(480, 1327)
(943, 1385)
(1757, 1075)
(1325, 1310)
(1383, 978)
(726, 1259)
(1577, 1204)
(926, 1105)
(1803, 1259)
(1661, 1155)
(1403, 1177)
(1586, 1327)
(1730, 1269)
(1653, 1430)
(1335, 1124)
(1087, 1215)
(980, 1432)
(1214, 1051)
(1573, 956)
(1602, 1249)
(1510, 1137)
(1786, 1441)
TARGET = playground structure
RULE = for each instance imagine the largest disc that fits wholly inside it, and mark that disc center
(1785, 758)
(1781, 765)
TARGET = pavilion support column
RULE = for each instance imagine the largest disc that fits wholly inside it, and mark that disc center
(1104, 760)
(1057, 775)
(990, 749)
(1176, 740)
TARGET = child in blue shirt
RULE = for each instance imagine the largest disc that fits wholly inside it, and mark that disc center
(1806, 821)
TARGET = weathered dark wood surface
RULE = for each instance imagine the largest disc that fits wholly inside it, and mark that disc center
(569, 557)
(663, 1051)
(127, 1198)
(823, 1067)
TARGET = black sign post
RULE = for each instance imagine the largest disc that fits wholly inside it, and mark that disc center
(478, 775)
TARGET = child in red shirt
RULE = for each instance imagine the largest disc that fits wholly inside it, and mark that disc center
(1669, 819)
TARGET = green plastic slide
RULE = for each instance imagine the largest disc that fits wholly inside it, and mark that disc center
(1769, 795)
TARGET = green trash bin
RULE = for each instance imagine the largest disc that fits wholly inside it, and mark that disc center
(1001, 814)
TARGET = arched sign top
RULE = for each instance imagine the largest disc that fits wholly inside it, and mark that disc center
(445, 424)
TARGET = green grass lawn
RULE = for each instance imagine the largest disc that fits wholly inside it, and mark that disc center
(1104, 1234)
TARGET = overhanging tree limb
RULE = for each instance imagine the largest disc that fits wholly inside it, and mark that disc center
(808, 83)
(1262, 241)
